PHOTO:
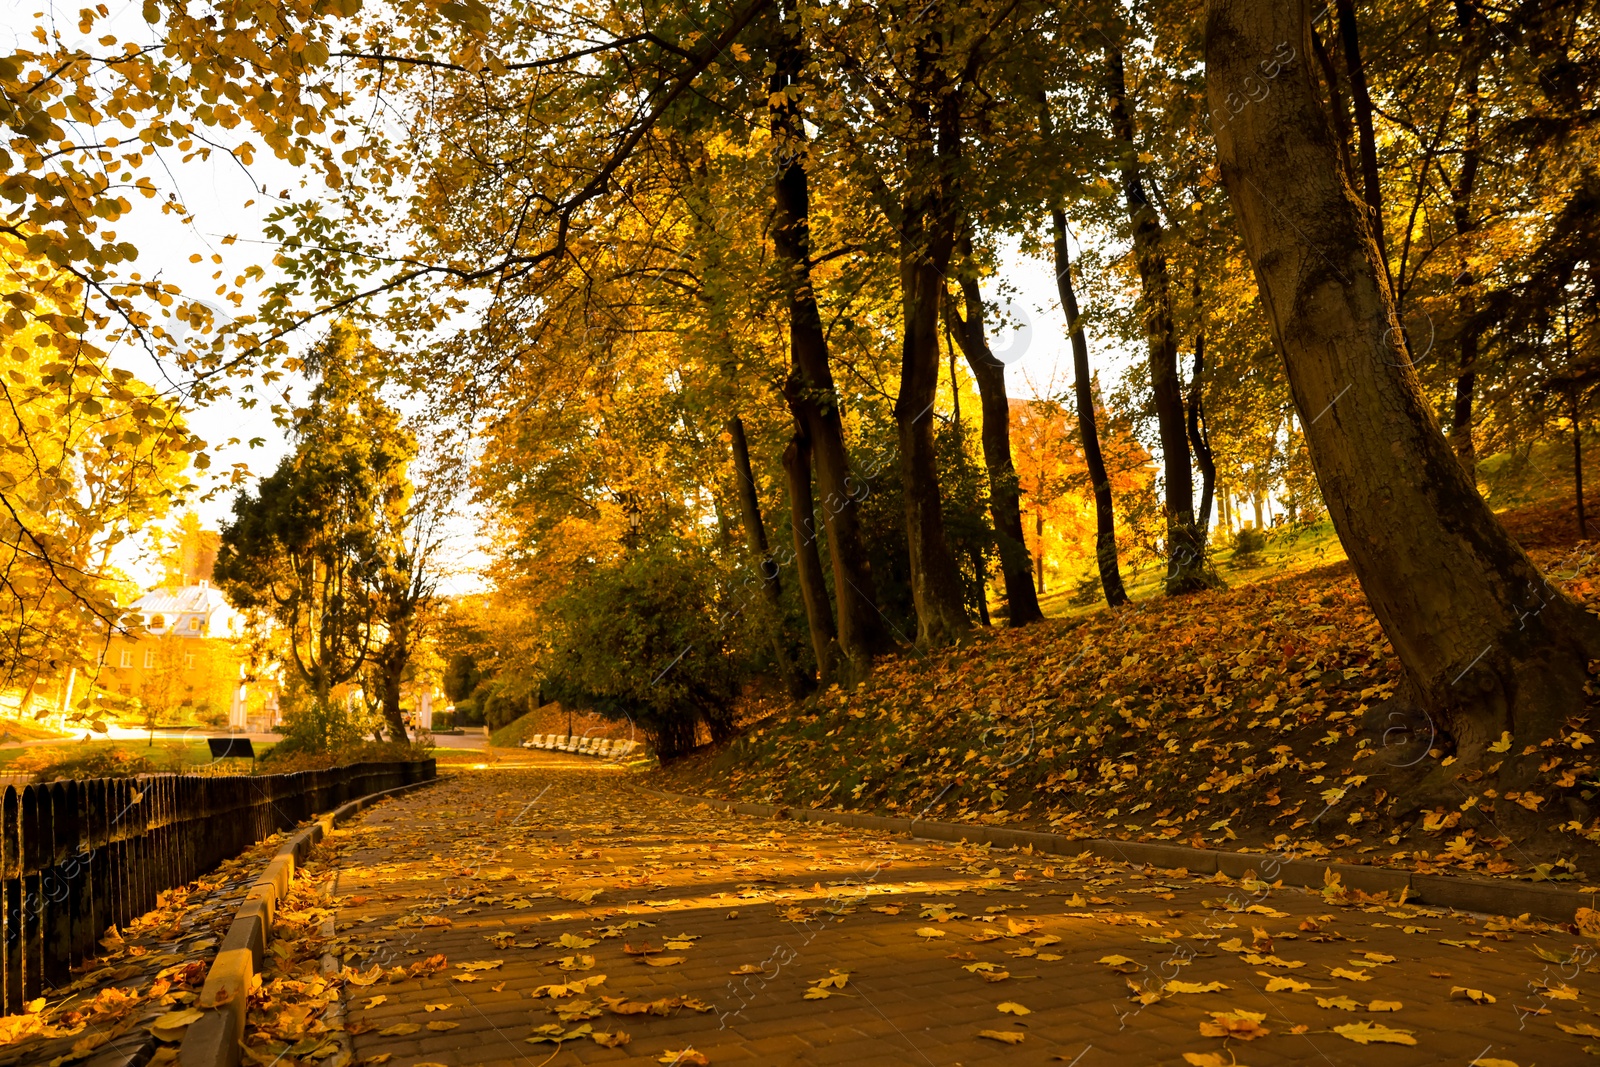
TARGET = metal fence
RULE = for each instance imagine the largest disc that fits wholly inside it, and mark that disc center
(79, 857)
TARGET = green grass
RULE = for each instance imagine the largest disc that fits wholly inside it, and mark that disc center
(1289, 551)
(1538, 472)
(513, 733)
(165, 754)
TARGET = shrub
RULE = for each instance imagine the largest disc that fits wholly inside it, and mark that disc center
(1088, 590)
(97, 762)
(1248, 545)
(278, 760)
(314, 728)
(501, 710)
(652, 638)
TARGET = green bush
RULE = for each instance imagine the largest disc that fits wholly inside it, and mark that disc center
(469, 712)
(1087, 591)
(1248, 545)
(500, 710)
(278, 760)
(317, 729)
(655, 638)
(97, 762)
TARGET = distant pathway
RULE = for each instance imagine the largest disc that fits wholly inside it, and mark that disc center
(556, 903)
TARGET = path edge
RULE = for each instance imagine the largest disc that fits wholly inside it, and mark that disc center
(216, 1039)
(1460, 892)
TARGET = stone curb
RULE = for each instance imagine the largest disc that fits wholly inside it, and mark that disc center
(216, 1039)
(1463, 893)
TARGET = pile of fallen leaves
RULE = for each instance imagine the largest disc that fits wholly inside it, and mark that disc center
(1229, 719)
(145, 979)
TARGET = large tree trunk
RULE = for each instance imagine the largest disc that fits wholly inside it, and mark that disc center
(755, 534)
(1105, 539)
(1461, 216)
(808, 562)
(1185, 548)
(1487, 644)
(809, 388)
(1038, 548)
(1022, 604)
(1577, 466)
(1199, 435)
(392, 658)
(935, 579)
(927, 239)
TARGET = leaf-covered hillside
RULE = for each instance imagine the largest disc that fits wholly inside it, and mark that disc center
(1241, 718)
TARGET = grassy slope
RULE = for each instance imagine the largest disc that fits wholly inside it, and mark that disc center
(513, 733)
(1228, 719)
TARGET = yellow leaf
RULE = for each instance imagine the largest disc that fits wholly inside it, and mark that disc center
(662, 961)
(1477, 996)
(1353, 976)
(930, 931)
(1193, 987)
(440, 1025)
(172, 1025)
(1244, 1025)
(1367, 1033)
(1009, 1037)
(1281, 983)
(1342, 1003)
(1385, 1005)
(1011, 1007)
(686, 1058)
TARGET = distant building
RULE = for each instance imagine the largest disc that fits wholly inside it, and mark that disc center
(176, 650)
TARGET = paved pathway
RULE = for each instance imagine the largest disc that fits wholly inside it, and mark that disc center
(555, 902)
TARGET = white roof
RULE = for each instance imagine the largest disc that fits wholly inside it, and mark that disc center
(172, 605)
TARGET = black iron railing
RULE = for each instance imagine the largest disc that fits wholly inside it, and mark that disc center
(79, 857)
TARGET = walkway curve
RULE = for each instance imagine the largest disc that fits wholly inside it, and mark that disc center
(556, 904)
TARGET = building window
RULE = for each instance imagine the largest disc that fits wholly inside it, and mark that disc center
(127, 658)
(194, 623)
(149, 658)
(188, 661)
(158, 622)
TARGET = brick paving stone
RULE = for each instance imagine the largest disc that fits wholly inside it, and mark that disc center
(550, 874)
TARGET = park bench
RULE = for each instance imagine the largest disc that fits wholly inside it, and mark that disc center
(599, 747)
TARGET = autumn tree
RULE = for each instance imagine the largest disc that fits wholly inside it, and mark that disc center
(321, 544)
(1495, 648)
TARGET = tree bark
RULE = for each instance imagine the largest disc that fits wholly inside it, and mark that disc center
(392, 658)
(809, 388)
(808, 562)
(755, 533)
(927, 240)
(1185, 548)
(1486, 643)
(1105, 539)
(1577, 468)
(1038, 545)
(1461, 216)
(1022, 604)
(1366, 140)
(1199, 436)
